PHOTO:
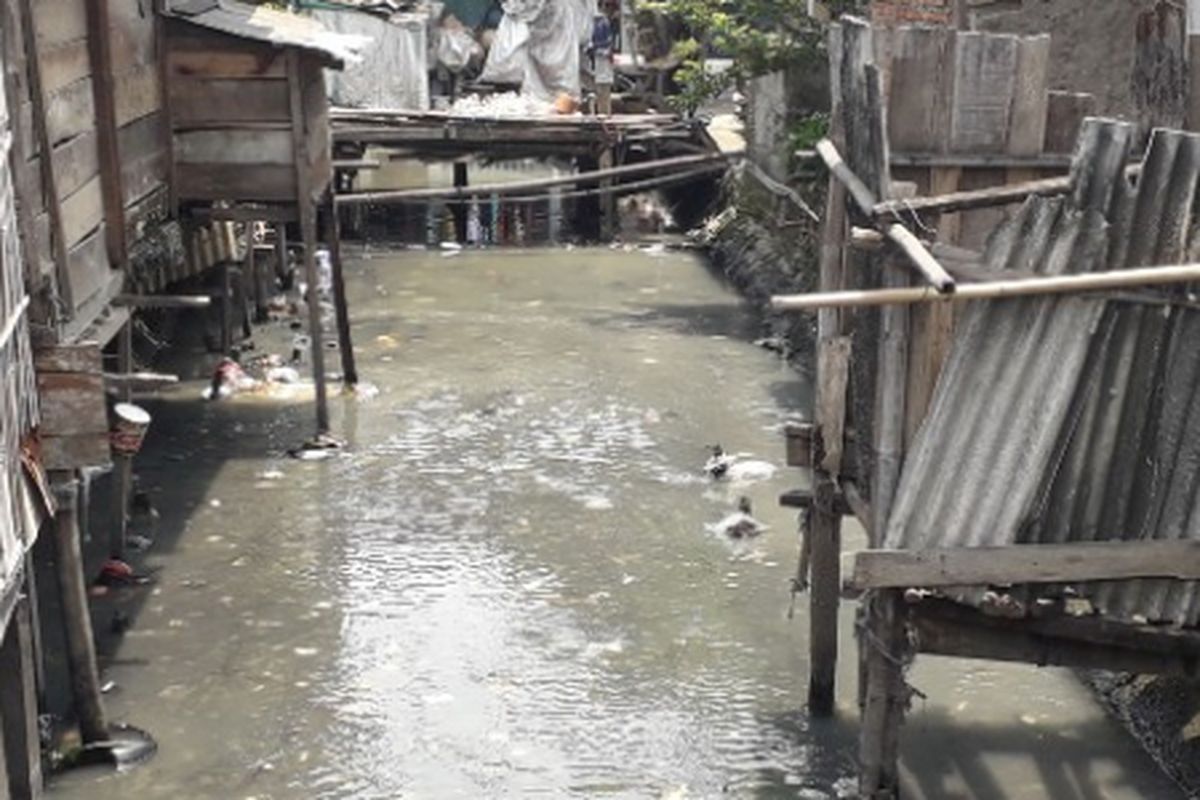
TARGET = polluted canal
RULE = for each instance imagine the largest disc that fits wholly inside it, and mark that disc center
(508, 583)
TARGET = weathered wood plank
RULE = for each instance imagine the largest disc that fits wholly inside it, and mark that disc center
(73, 452)
(834, 369)
(233, 146)
(58, 21)
(1065, 112)
(208, 101)
(70, 111)
(136, 94)
(1027, 122)
(1018, 564)
(984, 77)
(75, 163)
(241, 63)
(144, 159)
(80, 357)
(270, 182)
(71, 403)
(83, 211)
(921, 89)
(64, 64)
(87, 267)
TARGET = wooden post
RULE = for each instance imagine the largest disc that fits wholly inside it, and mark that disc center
(253, 275)
(123, 484)
(281, 255)
(333, 235)
(99, 40)
(886, 697)
(77, 620)
(19, 707)
(308, 231)
(460, 208)
(825, 536)
(225, 310)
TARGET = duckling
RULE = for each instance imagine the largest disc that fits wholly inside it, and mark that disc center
(718, 463)
(741, 524)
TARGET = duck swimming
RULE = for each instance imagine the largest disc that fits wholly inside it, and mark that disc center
(741, 524)
(718, 463)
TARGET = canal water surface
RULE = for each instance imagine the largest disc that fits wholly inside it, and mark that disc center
(505, 586)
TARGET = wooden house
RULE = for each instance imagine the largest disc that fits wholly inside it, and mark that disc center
(249, 112)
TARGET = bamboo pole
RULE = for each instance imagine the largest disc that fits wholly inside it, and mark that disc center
(918, 255)
(518, 187)
(993, 290)
(933, 272)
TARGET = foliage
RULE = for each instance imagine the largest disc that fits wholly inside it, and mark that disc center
(760, 36)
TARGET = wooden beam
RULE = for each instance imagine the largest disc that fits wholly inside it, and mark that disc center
(99, 42)
(993, 290)
(1029, 563)
(518, 187)
(825, 536)
(942, 627)
(138, 381)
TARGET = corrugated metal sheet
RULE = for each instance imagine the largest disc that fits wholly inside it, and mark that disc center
(1075, 418)
(18, 386)
(270, 25)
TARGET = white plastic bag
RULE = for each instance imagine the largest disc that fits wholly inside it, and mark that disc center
(506, 60)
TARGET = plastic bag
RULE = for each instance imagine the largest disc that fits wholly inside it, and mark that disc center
(506, 60)
(456, 47)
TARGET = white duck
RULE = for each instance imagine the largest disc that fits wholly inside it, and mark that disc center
(741, 524)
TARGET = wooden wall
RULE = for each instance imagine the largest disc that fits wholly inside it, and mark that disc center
(63, 58)
(142, 140)
(231, 118)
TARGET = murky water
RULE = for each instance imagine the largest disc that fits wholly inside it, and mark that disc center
(505, 586)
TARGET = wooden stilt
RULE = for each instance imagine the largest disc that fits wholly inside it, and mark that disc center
(307, 210)
(81, 651)
(35, 616)
(333, 235)
(123, 473)
(226, 310)
(883, 638)
(281, 256)
(460, 208)
(19, 706)
(825, 535)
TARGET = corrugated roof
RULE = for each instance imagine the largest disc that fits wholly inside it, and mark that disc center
(1074, 418)
(263, 24)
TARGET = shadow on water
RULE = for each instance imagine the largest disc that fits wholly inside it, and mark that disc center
(944, 761)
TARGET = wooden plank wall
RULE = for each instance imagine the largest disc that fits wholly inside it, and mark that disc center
(140, 117)
(61, 33)
(976, 105)
(230, 116)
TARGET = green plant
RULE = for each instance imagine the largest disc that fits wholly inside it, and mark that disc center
(759, 36)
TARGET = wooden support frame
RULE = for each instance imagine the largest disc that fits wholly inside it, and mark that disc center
(19, 705)
(943, 627)
(333, 238)
(1023, 563)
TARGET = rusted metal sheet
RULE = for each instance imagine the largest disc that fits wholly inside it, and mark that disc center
(272, 26)
(1075, 419)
